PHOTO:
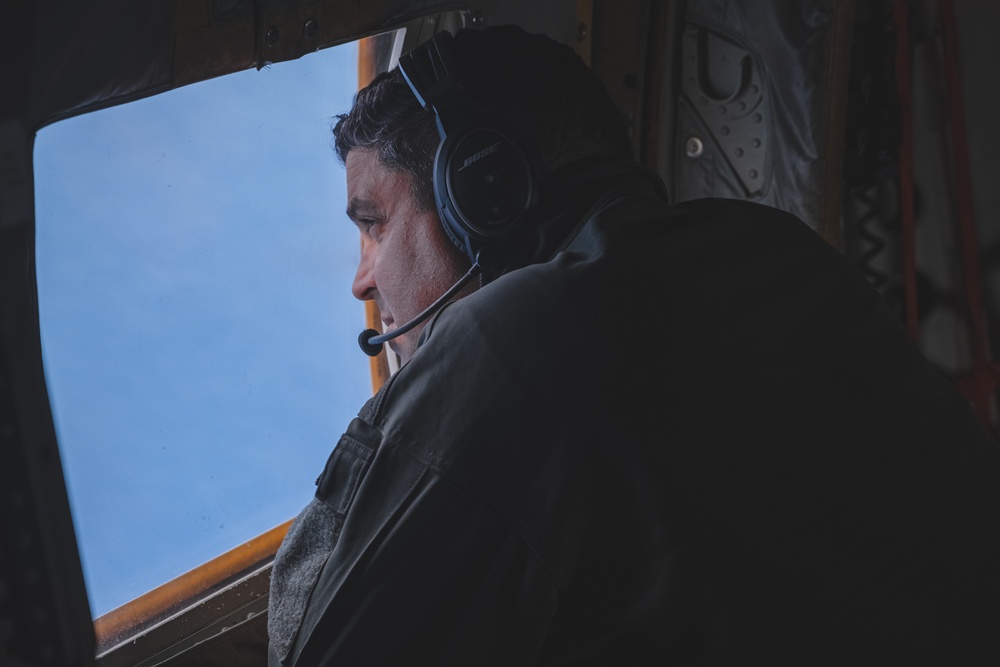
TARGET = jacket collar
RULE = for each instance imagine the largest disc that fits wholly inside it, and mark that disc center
(569, 196)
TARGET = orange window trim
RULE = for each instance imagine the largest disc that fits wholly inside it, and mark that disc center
(164, 601)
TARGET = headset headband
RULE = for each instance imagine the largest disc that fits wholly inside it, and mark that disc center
(431, 73)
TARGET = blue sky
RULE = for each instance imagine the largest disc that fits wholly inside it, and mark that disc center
(198, 331)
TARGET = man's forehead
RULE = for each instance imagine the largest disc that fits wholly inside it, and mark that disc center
(365, 180)
(371, 186)
(364, 160)
(366, 170)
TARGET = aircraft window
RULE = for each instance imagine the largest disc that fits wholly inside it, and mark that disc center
(199, 335)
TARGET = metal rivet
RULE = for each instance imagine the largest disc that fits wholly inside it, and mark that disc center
(478, 19)
(310, 29)
(271, 37)
(753, 173)
(739, 152)
(755, 143)
(693, 147)
(581, 32)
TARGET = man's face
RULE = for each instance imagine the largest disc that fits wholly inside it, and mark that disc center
(406, 260)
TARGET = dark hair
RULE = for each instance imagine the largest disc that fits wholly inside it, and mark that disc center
(539, 85)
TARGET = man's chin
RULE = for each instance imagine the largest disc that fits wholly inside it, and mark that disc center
(406, 345)
(402, 347)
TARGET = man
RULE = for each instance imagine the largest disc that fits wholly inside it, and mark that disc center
(650, 435)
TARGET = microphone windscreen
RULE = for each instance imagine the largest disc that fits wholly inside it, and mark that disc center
(364, 340)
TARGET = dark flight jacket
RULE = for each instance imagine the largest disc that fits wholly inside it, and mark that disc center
(690, 435)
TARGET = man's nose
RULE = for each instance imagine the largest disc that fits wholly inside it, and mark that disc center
(363, 287)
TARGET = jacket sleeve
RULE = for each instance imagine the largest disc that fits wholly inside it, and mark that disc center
(424, 573)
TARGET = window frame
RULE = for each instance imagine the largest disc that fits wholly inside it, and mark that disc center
(230, 592)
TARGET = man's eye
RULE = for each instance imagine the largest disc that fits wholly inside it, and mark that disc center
(364, 226)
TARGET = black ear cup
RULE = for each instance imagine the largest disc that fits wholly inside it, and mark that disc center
(484, 183)
(486, 176)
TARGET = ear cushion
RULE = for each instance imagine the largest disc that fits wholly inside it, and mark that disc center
(484, 182)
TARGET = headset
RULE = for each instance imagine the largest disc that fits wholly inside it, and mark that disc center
(487, 176)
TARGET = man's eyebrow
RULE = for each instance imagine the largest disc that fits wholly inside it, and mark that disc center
(361, 208)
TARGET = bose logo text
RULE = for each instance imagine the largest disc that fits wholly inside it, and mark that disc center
(479, 155)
